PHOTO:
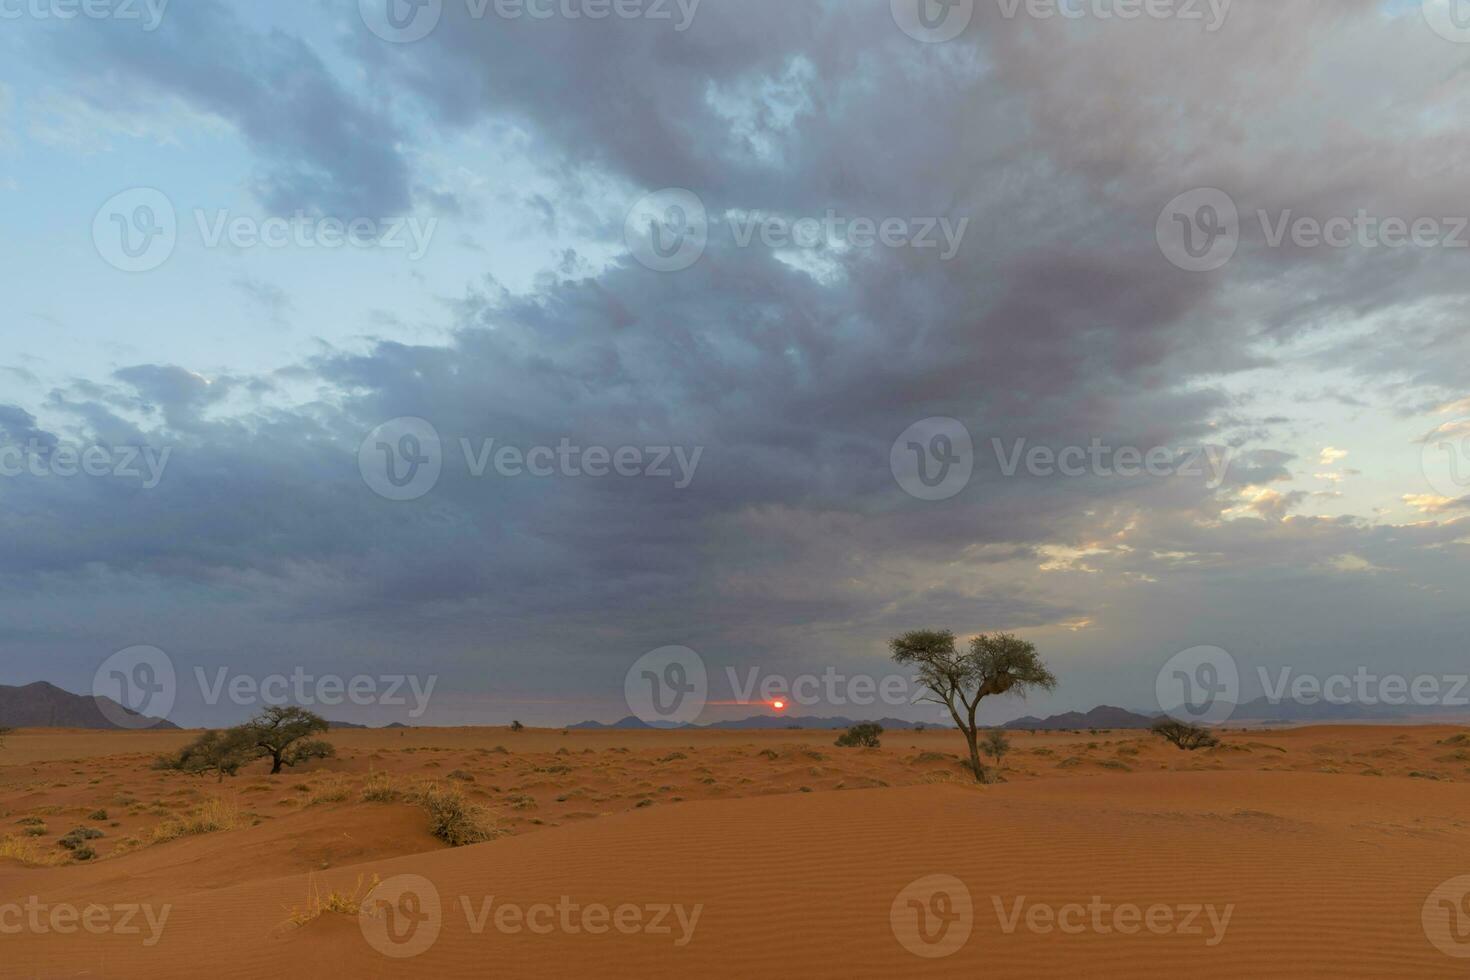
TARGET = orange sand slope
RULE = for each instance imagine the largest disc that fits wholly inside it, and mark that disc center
(1279, 861)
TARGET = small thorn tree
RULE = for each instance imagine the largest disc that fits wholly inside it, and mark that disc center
(996, 745)
(1185, 736)
(994, 664)
(284, 735)
(219, 752)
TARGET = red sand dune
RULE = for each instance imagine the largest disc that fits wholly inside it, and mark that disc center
(1243, 868)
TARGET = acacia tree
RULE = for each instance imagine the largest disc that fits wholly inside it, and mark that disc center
(1187, 737)
(219, 752)
(284, 734)
(998, 663)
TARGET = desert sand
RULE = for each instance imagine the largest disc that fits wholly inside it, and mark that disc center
(1306, 852)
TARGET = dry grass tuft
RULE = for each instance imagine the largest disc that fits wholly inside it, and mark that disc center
(28, 853)
(214, 814)
(453, 819)
(332, 789)
(380, 788)
(333, 902)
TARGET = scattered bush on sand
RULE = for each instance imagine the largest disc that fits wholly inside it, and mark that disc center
(1189, 738)
(452, 818)
(864, 735)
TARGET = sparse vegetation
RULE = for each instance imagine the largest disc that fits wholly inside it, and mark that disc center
(281, 734)
(333, 902)
(334, 789)
(994, 664)
(28, 852)
(212, 815)
(284, 735)
(452, 818)
(516, 726)
(379, 788)
(76, 842)
(1189, 738)
(996, 745)
(219, 752)
(864, 735)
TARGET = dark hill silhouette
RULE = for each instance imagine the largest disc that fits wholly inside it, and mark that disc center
(44, 705)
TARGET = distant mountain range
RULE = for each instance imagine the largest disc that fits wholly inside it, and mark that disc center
(1104, 716)
(43, 705)
(768, 722)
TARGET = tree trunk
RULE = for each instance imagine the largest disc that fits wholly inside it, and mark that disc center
(975, 766)
(275, 763)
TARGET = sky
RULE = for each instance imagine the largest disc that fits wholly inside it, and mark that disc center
(502, 345)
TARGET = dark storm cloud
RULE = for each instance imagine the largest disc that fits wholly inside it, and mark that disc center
(1058, 322)
(324, 148)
